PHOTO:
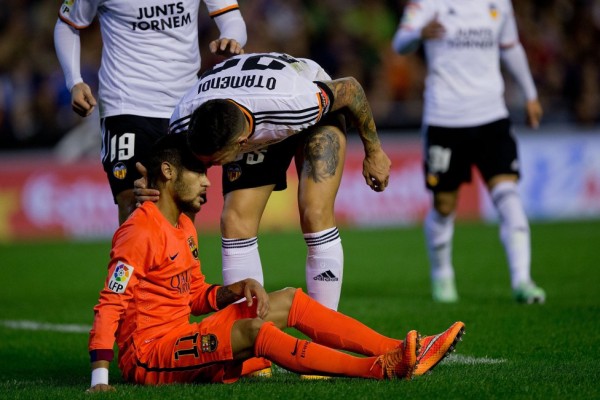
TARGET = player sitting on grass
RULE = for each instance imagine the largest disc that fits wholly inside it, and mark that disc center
(155, 283)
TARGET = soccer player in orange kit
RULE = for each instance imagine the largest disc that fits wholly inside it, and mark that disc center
(155, 283)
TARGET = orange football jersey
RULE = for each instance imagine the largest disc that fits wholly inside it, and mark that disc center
(154, 283)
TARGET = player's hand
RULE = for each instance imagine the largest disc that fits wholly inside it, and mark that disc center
(140, 187)
(376, 170)
(225, 47)
(101, 387)
(82, 100)
(534, 112)
(254, 291)
(433, 30)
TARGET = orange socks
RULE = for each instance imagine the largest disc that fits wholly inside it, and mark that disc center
(305, 357)
(333, 329)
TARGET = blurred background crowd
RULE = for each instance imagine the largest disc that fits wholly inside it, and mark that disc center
(347, 37)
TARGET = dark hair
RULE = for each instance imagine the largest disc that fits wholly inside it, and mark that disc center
(213, 125)
(174, 149)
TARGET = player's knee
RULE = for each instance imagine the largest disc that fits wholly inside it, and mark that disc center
(285, 297)
(315, 218)
(253, 327)
(444, 204)
(235, 226)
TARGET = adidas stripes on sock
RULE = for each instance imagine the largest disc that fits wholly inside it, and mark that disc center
(324, 266)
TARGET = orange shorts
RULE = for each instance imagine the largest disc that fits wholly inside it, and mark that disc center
(196, 352)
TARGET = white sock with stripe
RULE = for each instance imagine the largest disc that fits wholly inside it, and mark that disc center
(324, 266)
(439, 231)
(241, 260)
(514, 231)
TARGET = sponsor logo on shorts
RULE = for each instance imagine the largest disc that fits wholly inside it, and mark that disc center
(234, 171)
(209, 343)
(120, 170)
(120, 278)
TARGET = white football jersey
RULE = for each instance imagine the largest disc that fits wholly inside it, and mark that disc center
(464, 85)
(279, 94)
(150, 53)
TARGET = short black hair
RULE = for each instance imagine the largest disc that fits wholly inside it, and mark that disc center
(213, 125)
(174, 149)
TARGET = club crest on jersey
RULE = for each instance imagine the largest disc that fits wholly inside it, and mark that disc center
(120, 170)
(493, 11)
(193, 247)
(234, 171)
(209, 343)
(120, 278)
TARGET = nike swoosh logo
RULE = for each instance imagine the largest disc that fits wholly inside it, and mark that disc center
(173, 256)
(295, 348)
(429, 346)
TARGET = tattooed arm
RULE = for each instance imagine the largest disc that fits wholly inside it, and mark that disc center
(350, 98)
(249, 288)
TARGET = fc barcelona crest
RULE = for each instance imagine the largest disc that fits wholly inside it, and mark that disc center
(193, 247)
(209, 343)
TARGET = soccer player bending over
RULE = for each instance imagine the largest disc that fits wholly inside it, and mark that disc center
(155, 283)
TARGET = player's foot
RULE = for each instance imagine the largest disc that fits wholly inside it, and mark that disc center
(529, 293)
(261, 373)
(435, 348)
(401, 362)
(444, 290)
(314, 377)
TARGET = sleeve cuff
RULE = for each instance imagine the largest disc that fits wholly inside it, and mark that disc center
(212, 297)
(102, 355)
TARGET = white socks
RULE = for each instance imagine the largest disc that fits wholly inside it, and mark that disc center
(514, 231)
(324, 266)
(241, 260)
(439, 231)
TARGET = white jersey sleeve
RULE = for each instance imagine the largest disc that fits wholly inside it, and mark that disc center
(78, 13)
(229, 20)
(277, 92)
(509, 34)
(416, 15)
(68, 50)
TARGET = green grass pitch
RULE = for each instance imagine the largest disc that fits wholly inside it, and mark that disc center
(510, 351)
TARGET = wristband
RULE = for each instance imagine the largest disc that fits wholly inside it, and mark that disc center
(99, 376)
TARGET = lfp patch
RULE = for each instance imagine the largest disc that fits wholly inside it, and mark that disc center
(120, 278)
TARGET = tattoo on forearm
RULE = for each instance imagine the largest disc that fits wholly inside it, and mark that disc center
(349, 93)
(225, 297)
(321, 153)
